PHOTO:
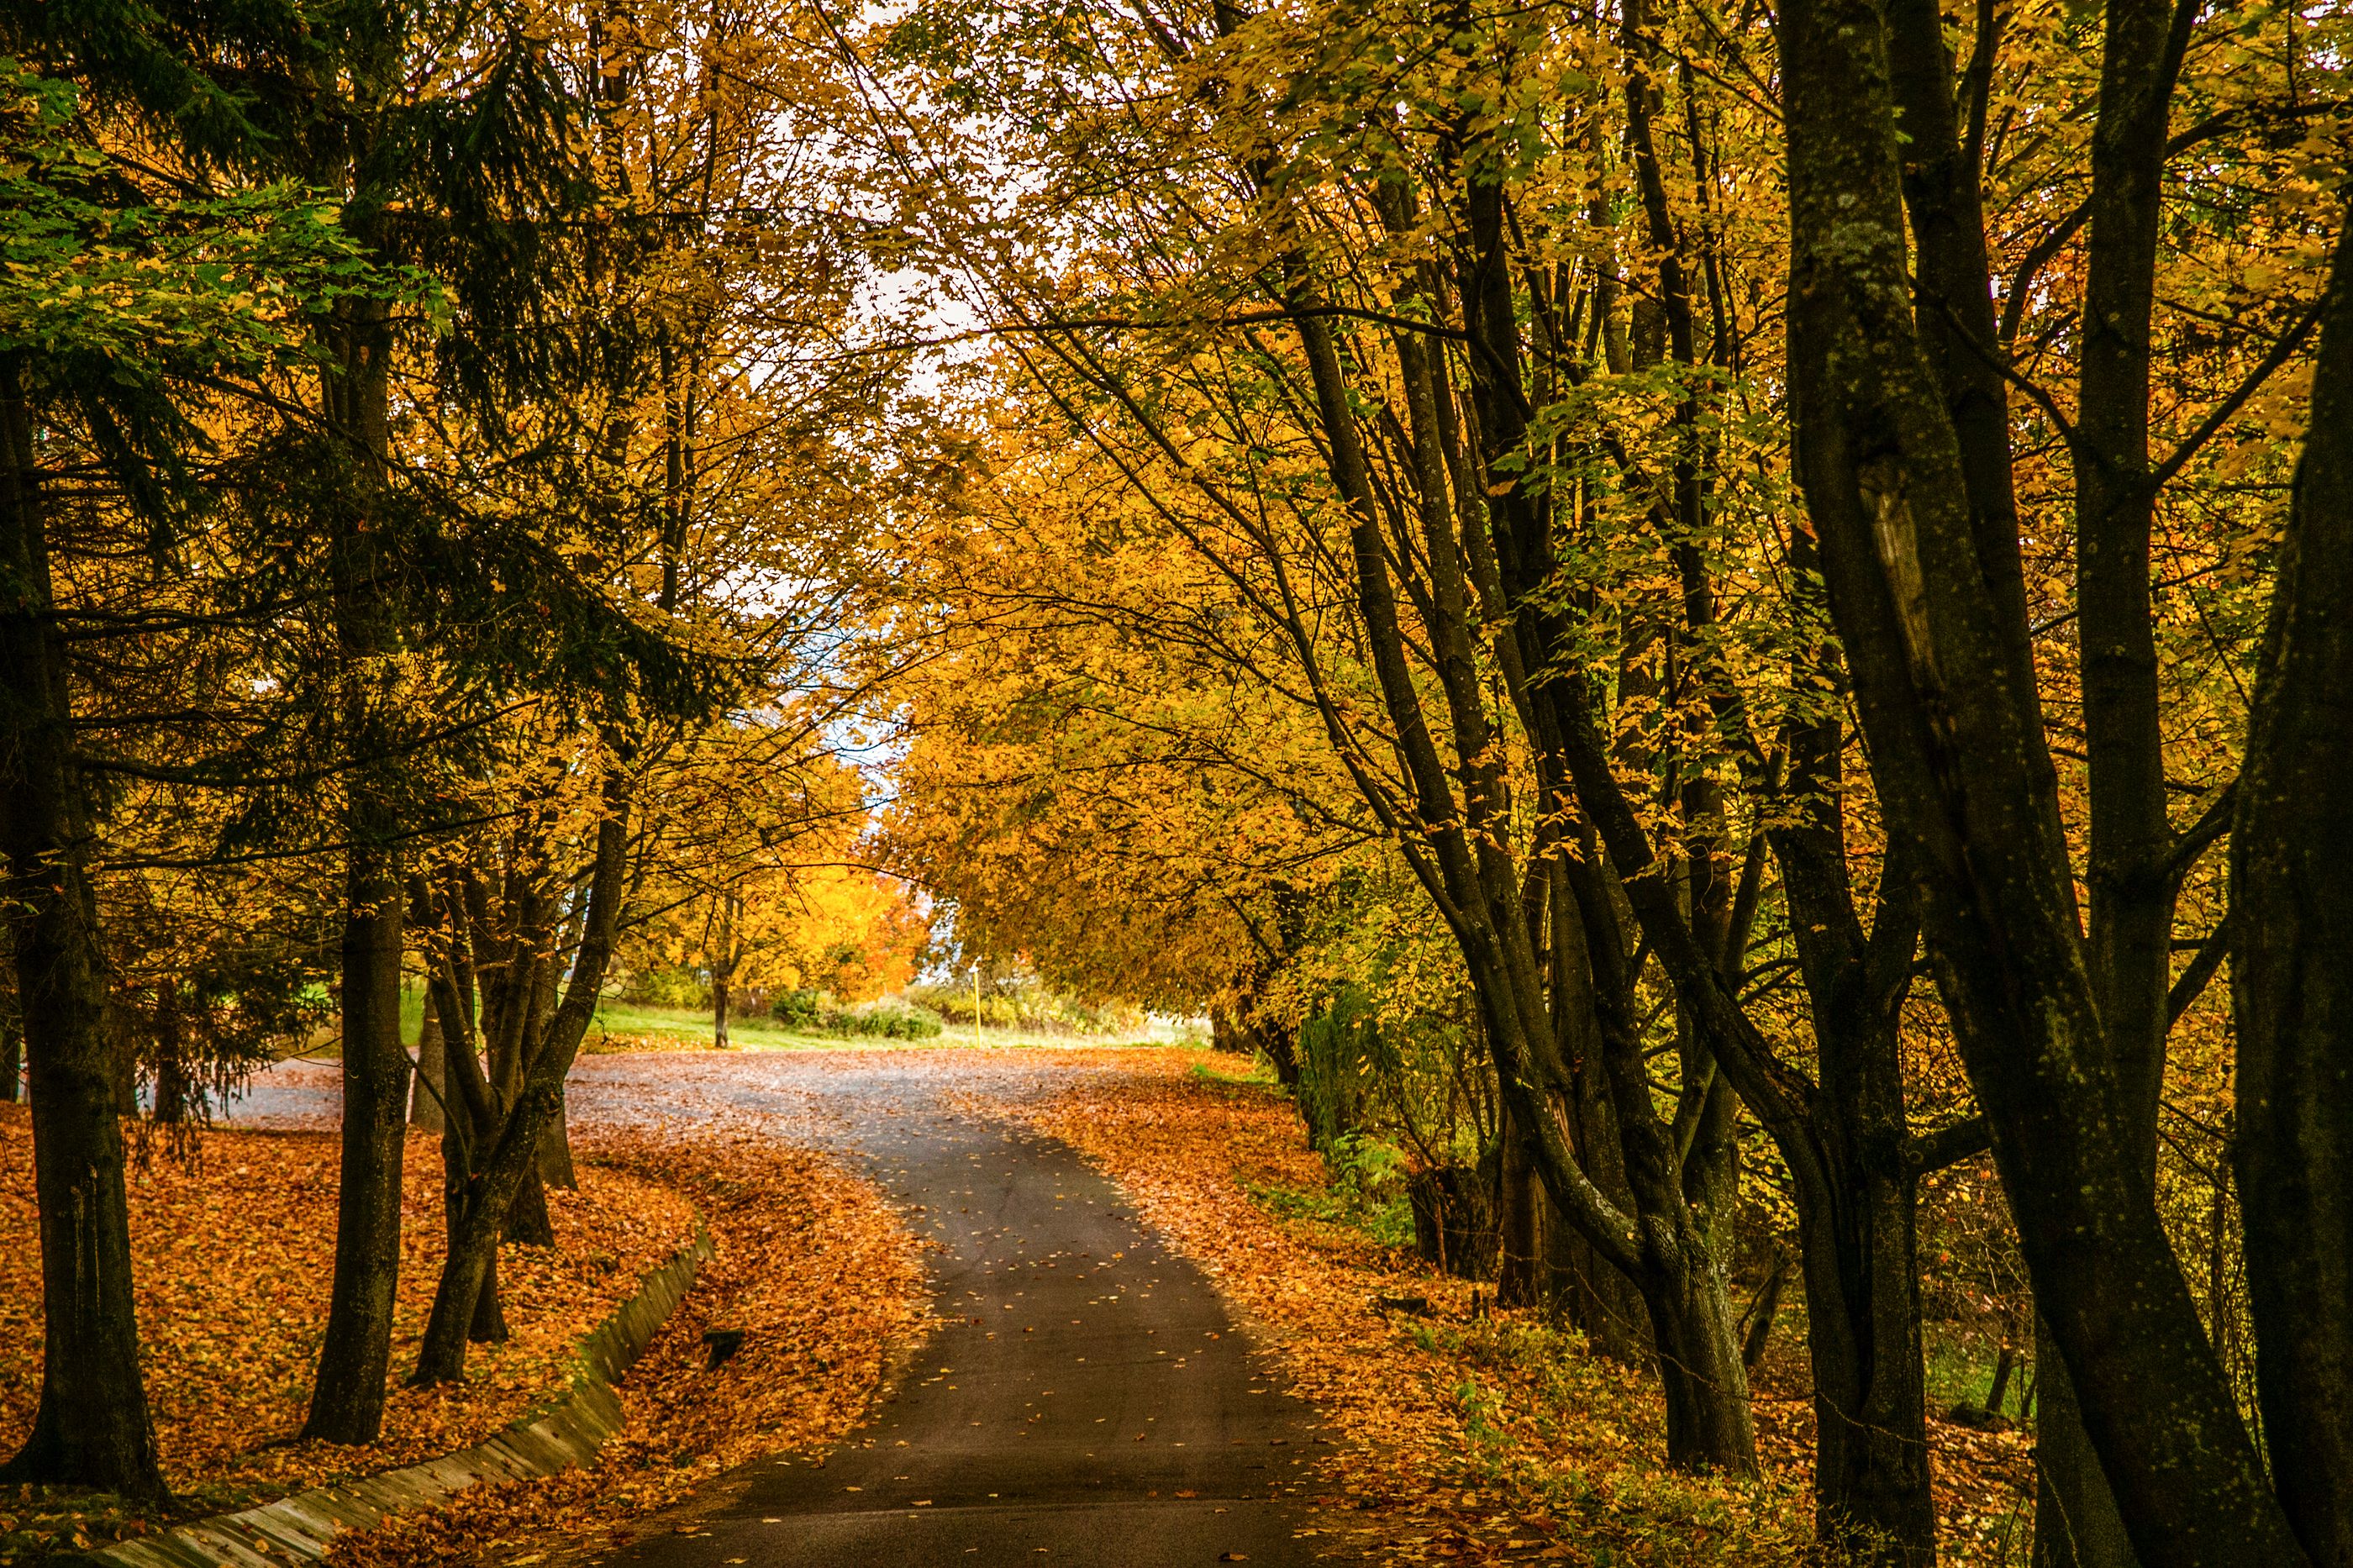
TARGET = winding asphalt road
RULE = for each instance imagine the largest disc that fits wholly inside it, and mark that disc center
(1087, 1399)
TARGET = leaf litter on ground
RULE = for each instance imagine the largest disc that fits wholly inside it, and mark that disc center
(232, 1257)
(1470, 1434)
(813, 1267)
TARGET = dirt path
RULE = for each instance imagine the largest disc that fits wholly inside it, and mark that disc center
(1086, 1399)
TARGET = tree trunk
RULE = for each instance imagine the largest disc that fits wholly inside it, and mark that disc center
(90, 1427)
(2076, 1521)
(486, 1320)
(722, 968)
(528, 1223)
(12, 1062)
(498, 1172)
(1597, 1296)
(2291, 911)
(173, 1089)
(347, 1399)
(1872, 1492)
(555, 1165)
(425, 1105)
(1757, 1324)
(1699, 1366)
(1522, 1271)
(1926, 606)
(488, 1323)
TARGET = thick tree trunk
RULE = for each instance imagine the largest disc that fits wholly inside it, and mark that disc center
(174, 1090)
(1523, 1271)
(347, 1399)
(1708, 1425)
(2076, 1521)
(90, 1427)
(555, 1165)
(2292, 910)
(719, 999)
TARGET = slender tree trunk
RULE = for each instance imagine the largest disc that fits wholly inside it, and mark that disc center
(486, 1323)
(1598, 1297)
(2292, 909)
(90, 1427)
(432, 1091)
(2129, 884)
(554, 1165)
(722, 968)
(12, 1062)
(347, 1399)
(1856, 1184)
(2005, 1367)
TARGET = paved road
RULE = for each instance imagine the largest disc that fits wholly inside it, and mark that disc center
(1088, 1400)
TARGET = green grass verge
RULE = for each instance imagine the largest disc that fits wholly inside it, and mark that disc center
(633, 1027)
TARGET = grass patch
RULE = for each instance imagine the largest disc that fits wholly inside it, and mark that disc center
(1259, 1074)
(636, 1026)
(1959, 1368)
(1365, 1191)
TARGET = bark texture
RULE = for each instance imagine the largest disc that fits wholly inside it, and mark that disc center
(90, 1427)
(1928, 610)
(347, 1397)
(2292, 909)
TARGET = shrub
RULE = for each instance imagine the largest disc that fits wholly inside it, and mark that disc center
(889, 1019)
(799, 1009)
(667, 985)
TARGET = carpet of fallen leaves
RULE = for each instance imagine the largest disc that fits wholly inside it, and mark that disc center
(813, 1267)
(233, 1247)
(1472, 1435)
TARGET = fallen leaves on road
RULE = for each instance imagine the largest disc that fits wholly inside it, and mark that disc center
(233, 1252)
(814, 1268)
(1464, 1437)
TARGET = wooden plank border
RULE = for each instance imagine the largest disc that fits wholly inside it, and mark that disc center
(565, 1431)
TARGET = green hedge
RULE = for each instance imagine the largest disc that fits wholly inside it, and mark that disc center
(812, 1011)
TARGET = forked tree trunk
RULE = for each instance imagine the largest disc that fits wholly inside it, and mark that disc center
(90, 1427)
(499, 1170)
(1927, 601)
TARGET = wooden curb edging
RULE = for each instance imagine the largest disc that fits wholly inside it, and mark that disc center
(566, 1431)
